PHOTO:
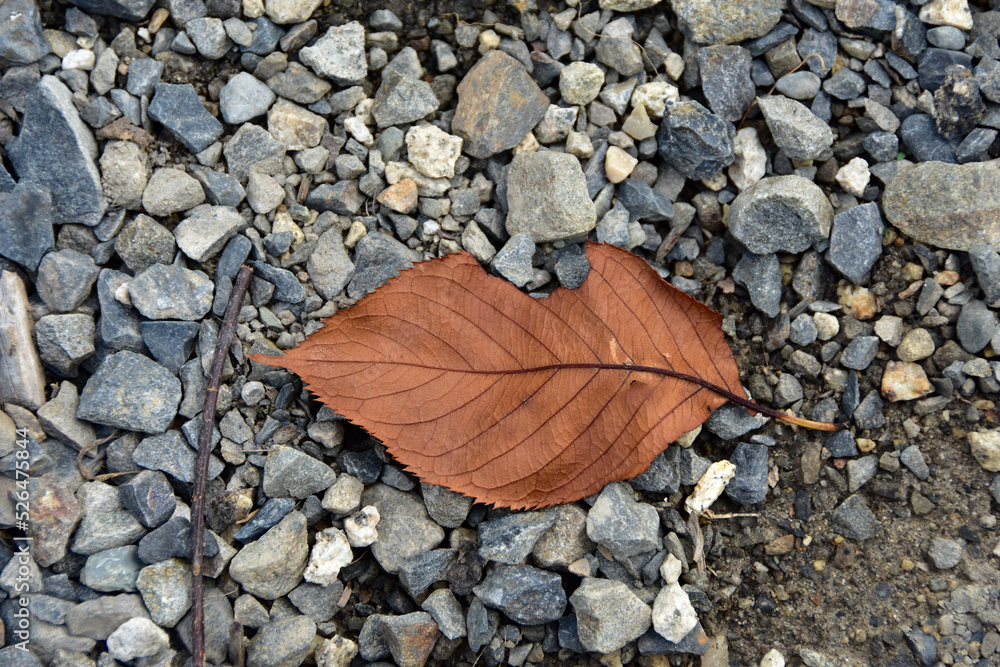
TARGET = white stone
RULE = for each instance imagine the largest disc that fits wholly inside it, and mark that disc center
(263, 192)
(854, 176)
(890, 329)
(283, 12)
(638, 126)
(618, 164)
(426, 186)
(985, 446)
(329, 554)
(710, 487)
(580, 82)
(947, 12)
(253, 8)
(674, 65)
(654, 96)
(627, 5)
(904, 381)
(339, 54)
(357, 128)
(750, 162)
(335, 652)
(360, 527)
(294, 126)
(432, 151)
(772, 659)
(827, 325)
(673, 615)
(207, 230)
(83, 59)
(137, 638)
(671, 569)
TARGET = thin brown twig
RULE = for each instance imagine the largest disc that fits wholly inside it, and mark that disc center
(201, 472)
(86, 472)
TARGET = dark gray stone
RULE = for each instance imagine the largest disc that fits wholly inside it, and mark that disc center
(172, 540)
(149, 497)
(976, 326)
(21, 39)
(919, 133)
(856, 241)
(220, 189)
(143, 75)
(958, 105)
(572, 267)
(841, 445)
(343, 197)
(694, 642)
(65, 279)
(731, 421)
(401, 99)
(511, 538)
(975, 144)
(65, 341)
(869, 414)
(761, 275)
(513, 262)
(821, 42)
(178, 108)
(168, 452)
(273, 511)
(132, 392)
(643, 202)
(725, 79)
(26, 224)
(446, 507)
(662, 476)
(144, 242)
(365, 465)
(796, 129)
(286, 286)
(377, 258)
(253, 148)
(417, 574)
(524, 593)
(923, 646)
(749, 484)
(265, 37)
(132, 10)
(986, 264)
(913, 459)
(932, 64)
(860, 352)
(854, 520)
(117, 325)
(99, 113)
(694, 141)
(613, 227)
(845, 84)
(170, 342)
(56, 150)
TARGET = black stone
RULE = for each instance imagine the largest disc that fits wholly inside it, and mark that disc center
(643, 202)
(694, 642)
(841, 445)
(749, 484)
(663, 476)
(958, 105)
(170, 342)
(572, 267)
(220, 189)
(694, 141)
(26, 224)
(273, 511)
(932, 65)
(149, 497)
(172, 540)
(365, 465)
(286, 286)
(919, 133)
(178, 108)
(343, 197)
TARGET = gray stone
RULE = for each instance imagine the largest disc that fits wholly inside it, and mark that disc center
(861, 471)
(339, 55)
(726, 22)
(26, 222)
(282, 643)
(780, 213)
(913, 459)
(132, 10)
(694, 141)
(65, 279)
(617, 49)
(173, 540)
(57, 151)
(608, 615)
(168, 452)
(143, 75)
(923, 645)
(919, 133)
(149, 497)
(986, 263)
(291, 473)
(21, 39)
(65, 341)
(329, 266)
(286, 286)
(446, 610)
(446, 507)
(100, 531)
(976, 326)
(796, 129)
(343, 197)
(856, 241)
(377, 257)
(209, 37)
(132, 392)
(170, 191)
(860, 352)
(761, 275)
(725, 80)
(547, 197)
(144, 242)
(206, 231)
(118, 324)
(253, 148)
(165, 292)
(178, 108)
(58, 418)
(513, 262)
(273, 565)
(524, 593)
(404, 529)
(124, 174)
(417, 574)
(498, 104)
(749, 484)
(169, 342)
(511, 538)
(220, 189)
(945, 553)
(112, 570)
(620, 524)
(298, 84)
(166, 591)
(731, 421)
(854, 520)
(401, 99)
(845, 84)
(244, 97)
(613, 227)
(99, 617)
(803, 330)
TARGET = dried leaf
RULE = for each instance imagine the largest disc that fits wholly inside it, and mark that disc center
(521, 402)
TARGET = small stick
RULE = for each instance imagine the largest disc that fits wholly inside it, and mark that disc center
(201, 472)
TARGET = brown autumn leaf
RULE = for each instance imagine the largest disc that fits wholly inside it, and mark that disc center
(521, 402)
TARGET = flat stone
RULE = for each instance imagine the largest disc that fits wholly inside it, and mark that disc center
(780, 213)
(22, 41)
(498, 104)
(860, 352)
(132, 392)
(170, 342)
(377, 258)
(171, 292)
(694, 141)
(511, 538)
(206, 231)
(854, 520)
(547, 197)
(252, 148)
(796, 129)
(112, 570)
(404, 529)
(168, 452)
(173, 540)
(178, 108)
(608, 615)
(726, 22)
(447, 508)
(446, 611)
(100, 531)
(149, 497)
(244, 97)
(524, 593)
(65, 341)
(54, 515)
(417, 574)
(118, 324)
(58, 418)
(56, 150)
(339, 55)
(26, 223)
(725, 80)
(401, 99)
(144, 242)
(343, 197)
(761, 275)
(620, 524)
(856, 241)
(65, 279)
(169, 191)
(273, 565)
